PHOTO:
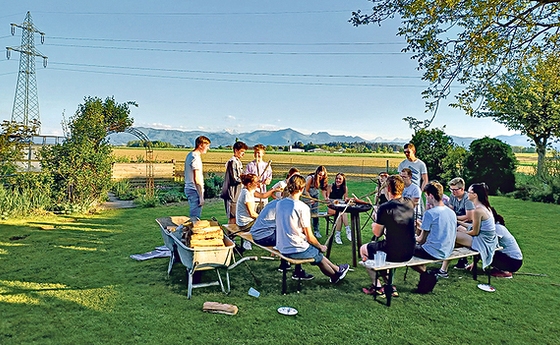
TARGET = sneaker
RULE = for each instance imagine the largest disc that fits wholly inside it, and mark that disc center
(502, 274)
(348, 233)
(337, 238)
(338, 276)
(381, 292)
(302, 275)
(372, 290)
(461, 264)
(318, 234)
(287, 266)
(247, 245)
(439, 273)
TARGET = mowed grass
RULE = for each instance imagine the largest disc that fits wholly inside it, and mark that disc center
(76, 284)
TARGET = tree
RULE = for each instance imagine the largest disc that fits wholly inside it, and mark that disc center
(81, 166)
(491, 161)
(432, 147)
(13, 139)
(469, 41)
(527, 100)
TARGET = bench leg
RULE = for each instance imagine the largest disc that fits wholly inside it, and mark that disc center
(284, 275)
(475, 267)
(388, 288)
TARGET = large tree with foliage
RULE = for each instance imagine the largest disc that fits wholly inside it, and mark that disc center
(432, 146)
(81, 166)
(527, 100)
(469, 41)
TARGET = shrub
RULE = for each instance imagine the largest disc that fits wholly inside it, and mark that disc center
(491, 161)
(213, 186)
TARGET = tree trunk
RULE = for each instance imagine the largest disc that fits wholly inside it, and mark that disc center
(541, 151)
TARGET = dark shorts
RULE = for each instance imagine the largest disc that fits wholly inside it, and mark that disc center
(505, 263)
(419, 252)
(231, 208)
(309, 253)
(374, 247)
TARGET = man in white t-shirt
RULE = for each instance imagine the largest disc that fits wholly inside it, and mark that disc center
(294, 237)
(194, 178)
(411, 190)
(418, 168)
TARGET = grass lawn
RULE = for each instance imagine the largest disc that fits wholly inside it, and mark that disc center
(76, 284)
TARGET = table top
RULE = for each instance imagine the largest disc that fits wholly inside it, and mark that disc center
(357, 208)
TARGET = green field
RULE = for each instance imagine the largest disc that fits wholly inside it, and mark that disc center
(75, 284)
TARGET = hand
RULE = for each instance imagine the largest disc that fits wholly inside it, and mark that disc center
(322, 248)
(201, 202)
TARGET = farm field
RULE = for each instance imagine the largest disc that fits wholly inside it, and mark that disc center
(355, 166)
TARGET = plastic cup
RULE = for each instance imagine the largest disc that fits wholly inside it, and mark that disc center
(382, 256)
(254, 293)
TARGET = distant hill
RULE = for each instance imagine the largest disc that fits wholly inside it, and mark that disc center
(274, 138)
(280, 138)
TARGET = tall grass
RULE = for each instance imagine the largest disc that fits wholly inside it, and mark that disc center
(14, 203)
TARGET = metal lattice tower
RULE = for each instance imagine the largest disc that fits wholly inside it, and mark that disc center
(26, 102)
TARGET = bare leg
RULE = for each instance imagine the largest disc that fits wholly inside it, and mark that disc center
(327, 267)
(231, 221)
(445, 265)
(419, 268)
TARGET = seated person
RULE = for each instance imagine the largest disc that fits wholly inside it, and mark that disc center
(316, 184)
(464, 209)
(395, 219)
(411, 190)
(264, 233)
(245, 210)
(438, 231)
(339, 191)
(507, 260)
(294, 237)
(283, 183)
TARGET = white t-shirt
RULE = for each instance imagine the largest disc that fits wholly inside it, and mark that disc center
(417, 167)
(192, 163)
(506, 240)
(242, 216)
(412, 191)
(291, 217)
(280, 184)
(441, 222)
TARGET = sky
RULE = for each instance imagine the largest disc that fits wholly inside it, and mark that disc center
(237, 66)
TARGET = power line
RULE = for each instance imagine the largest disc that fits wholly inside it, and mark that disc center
(237, 80)
(227, 43)
(264, 74)
(181, 14)
(229, 52)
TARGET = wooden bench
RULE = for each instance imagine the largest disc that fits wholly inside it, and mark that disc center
(461, 252)
(233, 230)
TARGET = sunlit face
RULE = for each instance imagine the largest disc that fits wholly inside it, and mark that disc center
(456, 191)
(339, 179)
(472, 195)
(259, 154)
(204, 148)
(239, 153)
(405, 176)
(321, 175)
(409, 153)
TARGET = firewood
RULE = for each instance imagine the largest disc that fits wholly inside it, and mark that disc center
(219, 308)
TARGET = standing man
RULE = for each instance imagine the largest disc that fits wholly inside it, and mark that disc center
(395, 219)
(418, 168)
(464, 209)
(232, 180)
(437, 235)
(194, 178)
(263, 172)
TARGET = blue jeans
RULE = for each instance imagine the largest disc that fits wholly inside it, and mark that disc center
(194, 210)
(309, 253)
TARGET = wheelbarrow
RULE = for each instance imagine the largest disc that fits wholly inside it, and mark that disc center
(197, 259)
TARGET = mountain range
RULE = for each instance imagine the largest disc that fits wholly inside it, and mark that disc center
(281, 137)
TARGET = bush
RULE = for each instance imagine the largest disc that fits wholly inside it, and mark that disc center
(213, 186)
(545, 188)
(491, 161)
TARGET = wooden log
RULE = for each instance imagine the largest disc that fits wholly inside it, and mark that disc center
(219, 308)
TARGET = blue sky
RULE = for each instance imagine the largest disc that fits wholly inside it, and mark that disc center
(226, 65)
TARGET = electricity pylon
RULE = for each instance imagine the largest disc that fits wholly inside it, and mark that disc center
(26, 102)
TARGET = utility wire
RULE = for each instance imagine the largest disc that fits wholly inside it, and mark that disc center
(238, 80)
(230, 52)
(181, 14)
(226, 43)
(237, 73)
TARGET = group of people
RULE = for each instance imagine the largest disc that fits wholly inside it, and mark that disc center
(428, 229)
(431, 230)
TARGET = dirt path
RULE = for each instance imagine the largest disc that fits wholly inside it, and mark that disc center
(115, 203)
